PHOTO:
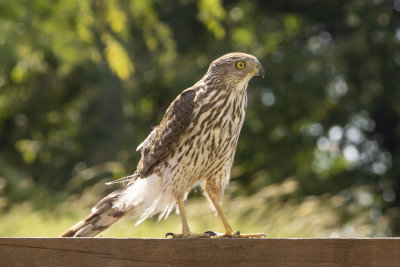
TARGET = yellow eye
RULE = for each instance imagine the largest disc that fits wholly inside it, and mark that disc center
(240, 65)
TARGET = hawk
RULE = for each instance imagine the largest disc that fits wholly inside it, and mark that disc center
(194, 144)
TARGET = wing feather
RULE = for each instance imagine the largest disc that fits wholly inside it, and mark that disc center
(167, 134)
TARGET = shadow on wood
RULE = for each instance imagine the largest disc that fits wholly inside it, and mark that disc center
(198, 252)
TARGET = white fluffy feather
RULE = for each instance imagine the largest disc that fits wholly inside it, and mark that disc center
(148, 198)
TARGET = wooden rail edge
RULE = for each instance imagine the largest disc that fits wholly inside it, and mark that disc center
(198, 252)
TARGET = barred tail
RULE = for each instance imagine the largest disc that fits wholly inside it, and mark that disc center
(145, 196)
(102, 216)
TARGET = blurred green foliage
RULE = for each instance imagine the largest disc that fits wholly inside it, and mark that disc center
(83, 82)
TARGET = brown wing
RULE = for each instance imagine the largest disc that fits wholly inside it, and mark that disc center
(168, 133)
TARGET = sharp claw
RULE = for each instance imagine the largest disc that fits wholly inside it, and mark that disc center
(169, 234)
(264, 235)
(211, 233)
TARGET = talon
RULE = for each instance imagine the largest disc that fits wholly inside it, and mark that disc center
(211, 233)
(169, 234)
(263, 235)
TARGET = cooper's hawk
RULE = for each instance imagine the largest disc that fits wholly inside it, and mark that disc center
(194, 144)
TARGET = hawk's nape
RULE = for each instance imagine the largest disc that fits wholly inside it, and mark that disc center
(194, 144)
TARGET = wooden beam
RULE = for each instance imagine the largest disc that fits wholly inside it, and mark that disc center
(199, 252)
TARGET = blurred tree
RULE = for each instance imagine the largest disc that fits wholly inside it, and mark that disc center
(82, 82)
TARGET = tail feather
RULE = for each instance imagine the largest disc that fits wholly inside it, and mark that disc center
(146, 196)
(102, 216)
(125, 180)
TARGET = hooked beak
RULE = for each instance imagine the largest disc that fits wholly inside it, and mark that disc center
(260, 70)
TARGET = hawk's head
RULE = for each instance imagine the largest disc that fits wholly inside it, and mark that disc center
(236, 68)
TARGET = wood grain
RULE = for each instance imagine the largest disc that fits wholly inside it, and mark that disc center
(198, 252)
